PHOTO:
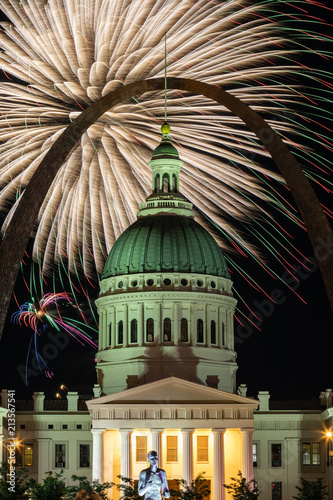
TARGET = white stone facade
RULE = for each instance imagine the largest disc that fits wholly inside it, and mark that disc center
(189, 299)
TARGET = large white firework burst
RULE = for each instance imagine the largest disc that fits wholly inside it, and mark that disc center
(59, 56)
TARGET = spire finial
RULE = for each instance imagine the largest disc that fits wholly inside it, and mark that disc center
(165, 79)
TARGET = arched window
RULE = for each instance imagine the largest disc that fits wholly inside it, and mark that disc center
(134, 331)
(174, 183)
(200, 336)
(157, 183)
(223, 334)
(212, 332)
(167, 330)
(110, 333)
(120, 332)
(183, 330)
(150, 330)
(166, 183)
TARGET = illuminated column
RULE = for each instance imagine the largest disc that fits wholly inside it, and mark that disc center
(156, 443)
(188, 455)
(247, 465)
(125, 450)
(219, 480)
(97, 460)
(43, 457)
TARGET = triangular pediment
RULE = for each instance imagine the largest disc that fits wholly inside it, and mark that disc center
(172, 390)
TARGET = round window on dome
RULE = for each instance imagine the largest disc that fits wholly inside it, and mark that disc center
(134, 283)
(150, 282)
(167, 281)
(213, 284)
(199, 282)
(183, 282)
(120, 284)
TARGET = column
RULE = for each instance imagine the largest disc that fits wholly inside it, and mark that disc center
(126, 330)
(247, 464)
(105, 329)
(125, 450)
(43, 457)
(141, 324)
(113, 320)
(175, 323)
(156, 443)
(208, 326)
(98, 453)
(292, 445)
(188, 455)
(219, 479)
(224, 322)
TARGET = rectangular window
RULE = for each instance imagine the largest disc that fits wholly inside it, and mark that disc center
(276, 454)
(141, 448)
(311, 453)
(306, 454)
(28, 455)
(84, 455)
(202, 448)
(60, 455)
(315, 453)
(172, 449)
(277, 490)
(24, 455)
(255, 454)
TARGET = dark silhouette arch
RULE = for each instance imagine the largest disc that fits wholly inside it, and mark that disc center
(21, 224)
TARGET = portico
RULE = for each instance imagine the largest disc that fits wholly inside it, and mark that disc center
(192, 427)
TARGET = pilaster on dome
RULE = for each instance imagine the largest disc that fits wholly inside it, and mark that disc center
(165, 165)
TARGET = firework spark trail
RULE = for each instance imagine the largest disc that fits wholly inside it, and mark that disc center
(48, 315)
(69, 54)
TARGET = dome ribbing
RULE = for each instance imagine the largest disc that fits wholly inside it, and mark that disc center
(166, 243)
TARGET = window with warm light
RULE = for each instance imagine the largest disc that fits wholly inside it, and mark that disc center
(202, 449)
(141, 449)
(311, 453)
(172, 449)
(24, 455)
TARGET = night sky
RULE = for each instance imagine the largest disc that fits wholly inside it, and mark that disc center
(290, 354)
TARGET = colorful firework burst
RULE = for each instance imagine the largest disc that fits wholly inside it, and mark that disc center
(47, 315)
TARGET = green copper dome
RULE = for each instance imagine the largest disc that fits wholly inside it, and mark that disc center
(165, 150)
(165, 243)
